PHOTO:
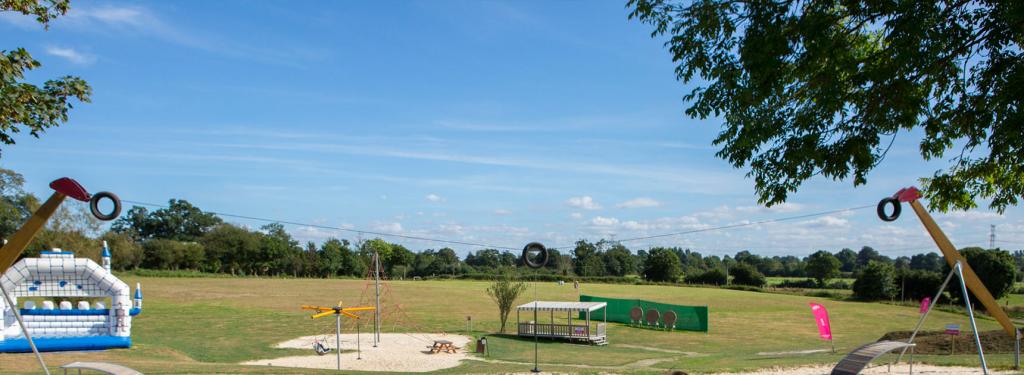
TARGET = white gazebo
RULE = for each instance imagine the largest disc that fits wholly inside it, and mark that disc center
(579, 330)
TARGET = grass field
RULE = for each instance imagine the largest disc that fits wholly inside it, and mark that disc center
(206, 325)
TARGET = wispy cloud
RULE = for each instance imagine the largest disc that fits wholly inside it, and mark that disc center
(641, 202)
(141, 21)
(71, 55)
(20, 21)
(585, 202)
(387, 227)
(434, 198)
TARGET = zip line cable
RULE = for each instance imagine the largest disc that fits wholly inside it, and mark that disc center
(483, 245)
(739, 225)
(382, 234)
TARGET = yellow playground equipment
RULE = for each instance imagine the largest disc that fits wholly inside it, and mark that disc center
(337, 311)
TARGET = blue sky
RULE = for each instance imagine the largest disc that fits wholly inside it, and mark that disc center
(492, 122)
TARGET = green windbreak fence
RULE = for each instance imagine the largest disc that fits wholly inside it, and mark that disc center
(690, 318)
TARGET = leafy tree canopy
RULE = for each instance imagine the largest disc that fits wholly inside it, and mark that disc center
(24, 106)
(180, 220)
(807, 88)
(823, 266)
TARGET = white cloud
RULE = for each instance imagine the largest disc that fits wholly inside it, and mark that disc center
(639, 203)
(585, 202)
(502, 212)
(974, 215)
(142, 21)
(785, 207)
(70, 54)
(576, 215)
(602, 221)
(394, 227)
(435, 198)
(828, 221)
(19, 20)
(452, 229)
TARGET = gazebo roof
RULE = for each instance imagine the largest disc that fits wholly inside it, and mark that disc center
(562, 306)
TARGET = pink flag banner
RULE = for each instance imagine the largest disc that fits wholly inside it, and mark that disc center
(821, 318)
(927, 301)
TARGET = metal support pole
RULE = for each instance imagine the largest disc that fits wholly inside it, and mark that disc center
(911, 360)
(31, 344)
(970, 313)
(920, 321)
(337, 338)
(376, 288)
(536, 339)
(1016, 352)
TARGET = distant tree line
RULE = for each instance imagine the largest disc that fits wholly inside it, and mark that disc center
(181, 236)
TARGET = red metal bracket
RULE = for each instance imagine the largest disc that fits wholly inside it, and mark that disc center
(70, 188)
(908, 194)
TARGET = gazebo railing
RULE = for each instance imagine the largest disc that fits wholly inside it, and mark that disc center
(559, 330)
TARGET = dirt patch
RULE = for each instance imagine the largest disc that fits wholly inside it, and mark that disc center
(937, 342)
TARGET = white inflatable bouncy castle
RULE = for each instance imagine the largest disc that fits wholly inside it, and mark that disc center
(101, 318)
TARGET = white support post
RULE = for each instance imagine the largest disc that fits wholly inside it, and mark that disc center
(17, 315)
(337, 339)
(920, 321)
(970, 313)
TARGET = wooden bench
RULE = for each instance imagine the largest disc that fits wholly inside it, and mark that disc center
(106, 368)
(443, 345)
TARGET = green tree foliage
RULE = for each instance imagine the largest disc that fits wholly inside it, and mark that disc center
(822, 266)
(232, 249)
(125, 253)
(619, 261)
(847, 260)
(745, 274)
(662, 265)
(15, 204)
(24, 106)
(587, 259)
(868, 254)
(486, 259)
(713, 276)
(875, 281)
(823, 88)
(172, 255)
(927, 262)
(505, 290)
(996, 269)
(179, 221)
(918, 284)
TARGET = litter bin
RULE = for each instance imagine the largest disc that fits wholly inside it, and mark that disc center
(481, 345)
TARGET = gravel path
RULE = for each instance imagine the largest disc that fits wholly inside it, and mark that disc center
(896, 369)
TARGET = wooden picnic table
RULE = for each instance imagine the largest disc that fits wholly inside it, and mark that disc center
(442, 345)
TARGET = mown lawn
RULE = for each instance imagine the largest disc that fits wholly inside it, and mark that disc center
(206, 325)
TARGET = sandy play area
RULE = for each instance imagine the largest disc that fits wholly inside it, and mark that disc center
(397, 352)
